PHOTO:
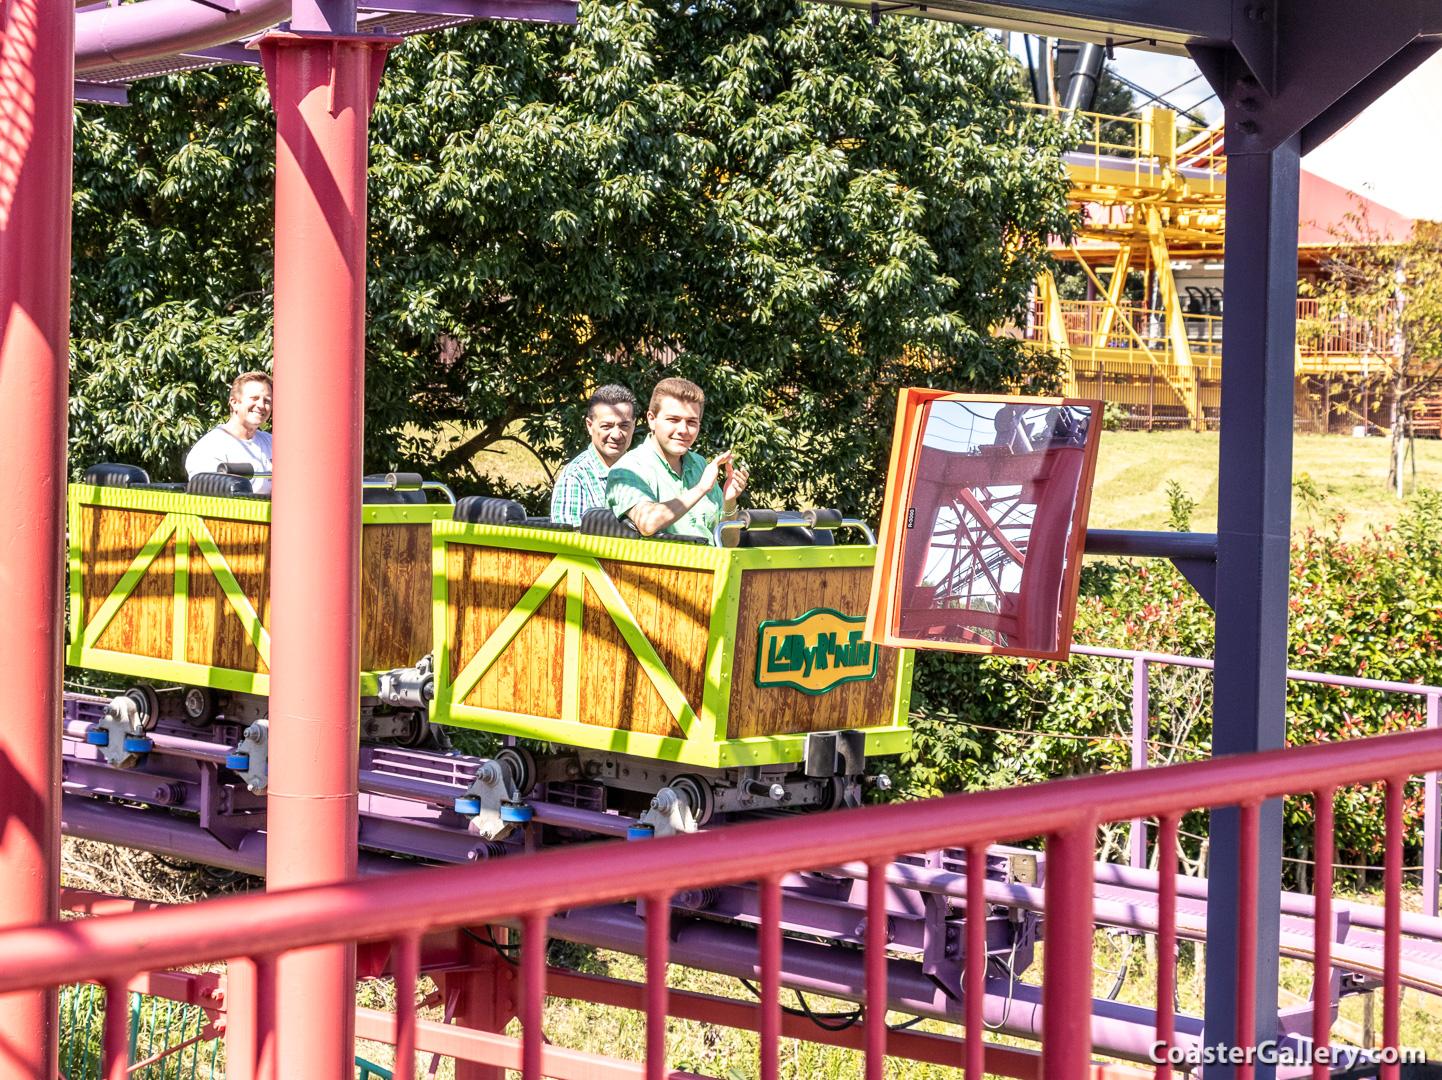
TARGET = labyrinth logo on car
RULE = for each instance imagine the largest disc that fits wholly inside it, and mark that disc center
(815, 653)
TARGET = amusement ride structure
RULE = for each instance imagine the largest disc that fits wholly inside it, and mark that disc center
(1152, 210)
(297, 659)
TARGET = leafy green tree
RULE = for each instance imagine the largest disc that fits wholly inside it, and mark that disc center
(1385, 293)
(171, 264)
(797, 210)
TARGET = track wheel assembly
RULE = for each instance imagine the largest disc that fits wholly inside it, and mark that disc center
(681, 808)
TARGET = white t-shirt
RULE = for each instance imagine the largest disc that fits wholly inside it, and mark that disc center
(218, 446)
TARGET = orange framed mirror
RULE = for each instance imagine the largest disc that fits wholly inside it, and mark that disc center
(983, 523)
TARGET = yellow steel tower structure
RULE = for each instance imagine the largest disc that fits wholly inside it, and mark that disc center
(1145, 205)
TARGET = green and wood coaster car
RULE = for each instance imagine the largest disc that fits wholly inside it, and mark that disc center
(708, 656)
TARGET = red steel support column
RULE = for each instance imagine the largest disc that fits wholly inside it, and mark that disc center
(37, 79)
(1066, 983)
(322, 87)
(486, 998)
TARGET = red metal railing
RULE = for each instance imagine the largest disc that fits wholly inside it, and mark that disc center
(529, 890)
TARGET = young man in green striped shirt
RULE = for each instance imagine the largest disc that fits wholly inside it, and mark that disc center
(581, 483)
(663, 486)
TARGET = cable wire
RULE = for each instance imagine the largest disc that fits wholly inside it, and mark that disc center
(819, 1019)
(490, 940)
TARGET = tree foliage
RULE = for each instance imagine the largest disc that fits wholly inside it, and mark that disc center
(798, 211)
(1382, 294)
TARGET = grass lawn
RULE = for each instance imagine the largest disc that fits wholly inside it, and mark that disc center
(1133, 468)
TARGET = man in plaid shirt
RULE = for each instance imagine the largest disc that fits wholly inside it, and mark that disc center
(581, 483)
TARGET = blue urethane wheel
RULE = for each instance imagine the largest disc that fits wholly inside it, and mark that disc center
(515, 812)
(468, 807)
(640, 832)
(98, 737)
(138, 745)
(237, 761)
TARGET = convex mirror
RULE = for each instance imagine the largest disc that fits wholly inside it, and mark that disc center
(983, 524)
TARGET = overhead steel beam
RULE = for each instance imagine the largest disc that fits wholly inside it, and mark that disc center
(1321, 61)
(1346, 108)
(1289, 65)
(1160, 25)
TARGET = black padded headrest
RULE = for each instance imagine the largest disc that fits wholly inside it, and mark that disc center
(824, 518)
(600, 521)
(484, 510)
(786, 536)
(757, 518)
(547, 523)
(110, 474)
(214, 483)
(386, 497)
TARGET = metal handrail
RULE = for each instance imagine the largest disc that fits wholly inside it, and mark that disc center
(404, 482)
(404, 904)
(796, 518)
(535, 889)
(392, 481)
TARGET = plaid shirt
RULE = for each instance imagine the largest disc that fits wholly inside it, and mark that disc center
(580, 485)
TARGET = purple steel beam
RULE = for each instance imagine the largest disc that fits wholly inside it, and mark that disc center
(1431, 833)
(565, 817)
(163, 833)
(179, 745)
(1367, 915)
(131, 32)
(102, 93)
(228, 54)
(548, 11)
(1127, 899)
(574, 817)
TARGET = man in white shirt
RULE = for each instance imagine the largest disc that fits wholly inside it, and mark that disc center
(239, 439)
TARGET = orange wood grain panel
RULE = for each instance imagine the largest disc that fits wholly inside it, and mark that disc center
(214, 634)
(773, 710)
(614, 689)
(144, 625)
(395, 595)
(109, 540)
(672, 607)
(484, 584)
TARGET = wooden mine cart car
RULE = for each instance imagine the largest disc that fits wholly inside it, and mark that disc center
(744, 664)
